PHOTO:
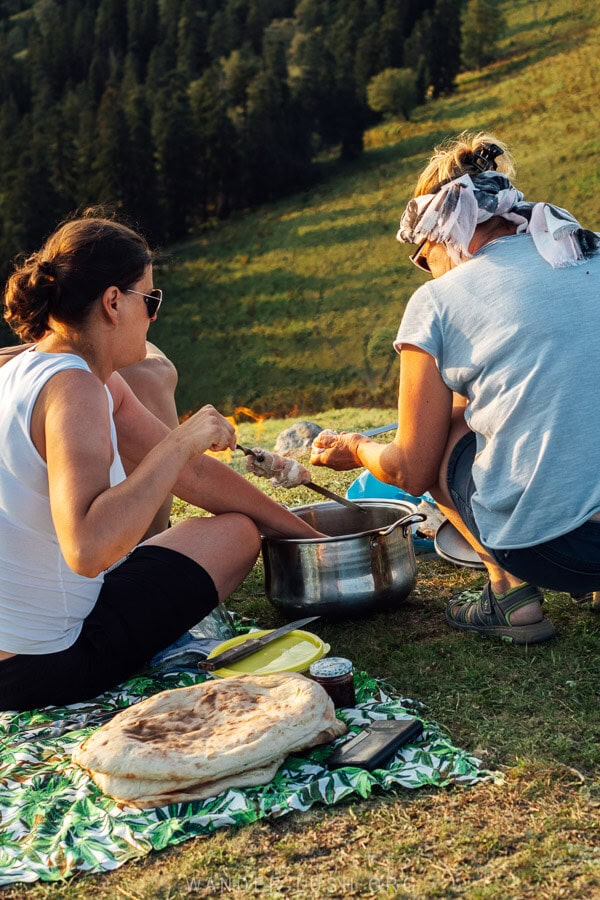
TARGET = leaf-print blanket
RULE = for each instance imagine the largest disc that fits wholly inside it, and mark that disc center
(55, 822)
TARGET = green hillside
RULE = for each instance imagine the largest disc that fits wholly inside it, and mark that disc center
(292, 309)
(294, 306)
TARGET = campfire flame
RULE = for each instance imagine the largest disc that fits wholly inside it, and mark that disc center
(259, 418)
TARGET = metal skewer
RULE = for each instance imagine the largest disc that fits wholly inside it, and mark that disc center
(325, 492)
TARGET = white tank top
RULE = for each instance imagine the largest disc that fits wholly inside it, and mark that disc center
(42, 601)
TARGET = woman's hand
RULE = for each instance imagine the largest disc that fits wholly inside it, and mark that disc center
(336, 451)
(207, 429)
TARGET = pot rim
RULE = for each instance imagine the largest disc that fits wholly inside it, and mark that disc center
(408, 509)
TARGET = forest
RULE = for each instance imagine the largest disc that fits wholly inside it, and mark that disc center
(178, 110)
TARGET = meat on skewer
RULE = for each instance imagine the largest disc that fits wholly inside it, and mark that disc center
(283, 472)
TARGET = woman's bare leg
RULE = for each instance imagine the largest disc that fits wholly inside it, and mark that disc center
(501, 581)
(226, 546)
(153, 381)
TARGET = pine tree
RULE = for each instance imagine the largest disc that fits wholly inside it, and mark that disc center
(312, 75)
(218, 142)
(111, 27)
(97, 78)
(140, 194)
(277, 148)
(110, 171)
(48, 56)
(482, 27)
(142, 33)
(395, 21)
(31, 205)
(176, 143)
(239, 69)
(312, 14)
(14, 81)
(348, 111)
(443, 57)
(192, 54)
(82, 43)
(368, 56)
(60, 128)
(417, 54)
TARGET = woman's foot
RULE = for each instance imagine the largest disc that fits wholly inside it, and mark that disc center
(515, 617)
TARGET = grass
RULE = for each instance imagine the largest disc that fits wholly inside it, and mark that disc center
(530, 713)
(294, 307)
(291, 310)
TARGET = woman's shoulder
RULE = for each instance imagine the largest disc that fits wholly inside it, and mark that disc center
(38, 360)
(28, 373)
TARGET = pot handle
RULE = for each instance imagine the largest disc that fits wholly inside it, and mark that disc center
(405, 522)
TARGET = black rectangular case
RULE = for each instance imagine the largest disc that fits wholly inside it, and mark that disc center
(376, 744)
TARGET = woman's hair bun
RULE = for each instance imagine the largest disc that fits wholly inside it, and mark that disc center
(468, 153)
(63, 280)
(48, 269)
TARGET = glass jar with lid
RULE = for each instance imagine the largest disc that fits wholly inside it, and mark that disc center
(335, 675)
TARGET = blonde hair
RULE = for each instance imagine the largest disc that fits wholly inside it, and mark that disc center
(454, 158)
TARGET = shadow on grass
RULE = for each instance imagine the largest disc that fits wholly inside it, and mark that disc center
(537, 702)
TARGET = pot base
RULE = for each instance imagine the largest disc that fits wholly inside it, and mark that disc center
(345, 575)
(339, 610)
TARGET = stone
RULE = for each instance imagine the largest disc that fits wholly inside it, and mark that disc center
(297, 439)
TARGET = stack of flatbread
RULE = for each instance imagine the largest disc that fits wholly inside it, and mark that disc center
(194, 742)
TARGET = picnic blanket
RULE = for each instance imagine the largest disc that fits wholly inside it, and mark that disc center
(56, 822)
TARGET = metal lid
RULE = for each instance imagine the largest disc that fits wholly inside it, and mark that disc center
(331, 667)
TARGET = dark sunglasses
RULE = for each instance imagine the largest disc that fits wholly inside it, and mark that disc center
(152, 300)
(419, 259)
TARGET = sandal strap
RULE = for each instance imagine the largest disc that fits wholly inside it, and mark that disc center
(486, 609)
(522, 596)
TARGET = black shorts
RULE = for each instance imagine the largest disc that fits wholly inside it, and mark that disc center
(144, 605)
(568, 563)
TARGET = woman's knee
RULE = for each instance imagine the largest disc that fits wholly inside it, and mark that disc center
(226, 535)
(245, 531)
(458, 429)
(227, 549)
(153, 381)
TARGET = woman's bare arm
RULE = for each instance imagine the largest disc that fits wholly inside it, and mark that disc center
(97, 524)
(413, 459)
(204, 481)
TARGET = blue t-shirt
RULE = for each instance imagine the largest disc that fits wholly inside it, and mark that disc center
(518, 339)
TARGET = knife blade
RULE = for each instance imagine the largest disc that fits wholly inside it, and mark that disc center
(247, 648)
(371, 432)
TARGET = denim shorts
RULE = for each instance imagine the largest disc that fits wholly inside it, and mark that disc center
(568, 563)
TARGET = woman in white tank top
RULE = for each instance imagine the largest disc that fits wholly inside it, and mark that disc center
(68, 513)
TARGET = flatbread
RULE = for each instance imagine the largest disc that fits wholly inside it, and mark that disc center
(155, 793)
(195, 742)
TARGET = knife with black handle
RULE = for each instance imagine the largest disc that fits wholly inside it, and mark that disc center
(247, 648)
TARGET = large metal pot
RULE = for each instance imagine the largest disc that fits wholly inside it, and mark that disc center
(366, 563)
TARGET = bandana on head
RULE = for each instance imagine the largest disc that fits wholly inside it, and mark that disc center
(450, 215)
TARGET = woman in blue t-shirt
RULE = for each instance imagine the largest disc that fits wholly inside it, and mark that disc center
(498, 387)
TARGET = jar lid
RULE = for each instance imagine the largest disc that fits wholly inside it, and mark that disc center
(331, 667)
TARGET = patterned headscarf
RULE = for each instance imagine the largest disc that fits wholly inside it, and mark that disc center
(450, 215)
